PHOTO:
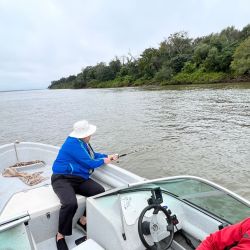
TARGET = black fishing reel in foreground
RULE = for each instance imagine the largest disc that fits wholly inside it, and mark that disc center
(153, 227)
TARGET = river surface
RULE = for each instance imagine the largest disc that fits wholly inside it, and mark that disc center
(179, 130)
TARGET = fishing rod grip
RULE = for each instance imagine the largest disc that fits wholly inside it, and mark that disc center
(113, 158)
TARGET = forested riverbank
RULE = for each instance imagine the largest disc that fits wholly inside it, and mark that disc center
(218, 57)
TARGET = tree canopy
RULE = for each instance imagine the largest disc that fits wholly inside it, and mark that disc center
(178, 59)
(241, 58)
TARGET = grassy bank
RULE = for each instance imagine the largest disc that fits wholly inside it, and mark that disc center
(180, 79)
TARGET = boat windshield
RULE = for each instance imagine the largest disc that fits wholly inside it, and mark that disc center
(203, 195)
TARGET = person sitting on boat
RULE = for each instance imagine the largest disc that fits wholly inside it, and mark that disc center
(72, 169)
(234, 237)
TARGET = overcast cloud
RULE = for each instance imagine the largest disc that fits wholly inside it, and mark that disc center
(45, 40)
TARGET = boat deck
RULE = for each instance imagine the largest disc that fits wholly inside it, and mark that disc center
(19, 188)
(51, 243)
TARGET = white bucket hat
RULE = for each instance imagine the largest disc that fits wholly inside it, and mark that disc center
(82, 129)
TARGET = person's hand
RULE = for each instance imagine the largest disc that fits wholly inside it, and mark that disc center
(113, 157)
(107, 160)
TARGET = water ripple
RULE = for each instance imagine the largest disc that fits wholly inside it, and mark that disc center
(203, 131)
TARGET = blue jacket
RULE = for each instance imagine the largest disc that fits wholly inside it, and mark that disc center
(74, 159)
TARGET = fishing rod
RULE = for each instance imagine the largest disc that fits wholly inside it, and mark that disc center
(122, 155)
(118, 155)
(125, 154)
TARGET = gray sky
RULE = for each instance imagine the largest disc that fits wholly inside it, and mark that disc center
(44, 40)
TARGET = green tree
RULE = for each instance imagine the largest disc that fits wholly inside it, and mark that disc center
(88, 73)
(115, 66)
(230, 34)
(179, 44)
(129, 68)
(103, 73)
(173, 53)
(241, 58)
(212, 62)
(79, 82)
(148, 63)
(165, 73)
(226, 57)
(245, 33)
(178, 62)
(200, 53)
(189, 67)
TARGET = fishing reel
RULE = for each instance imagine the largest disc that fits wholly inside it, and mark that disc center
(160, 226)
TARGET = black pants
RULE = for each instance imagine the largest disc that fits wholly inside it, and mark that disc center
(66, 187)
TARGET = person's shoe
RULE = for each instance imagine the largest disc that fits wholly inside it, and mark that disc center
(81, 226)
(61, 244)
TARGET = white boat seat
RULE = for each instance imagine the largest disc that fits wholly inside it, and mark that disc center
(43, 199)
(88, 245)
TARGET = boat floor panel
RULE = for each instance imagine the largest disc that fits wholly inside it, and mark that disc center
(51, 243)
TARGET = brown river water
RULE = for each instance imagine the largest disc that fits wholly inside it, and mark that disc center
(201, 130)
